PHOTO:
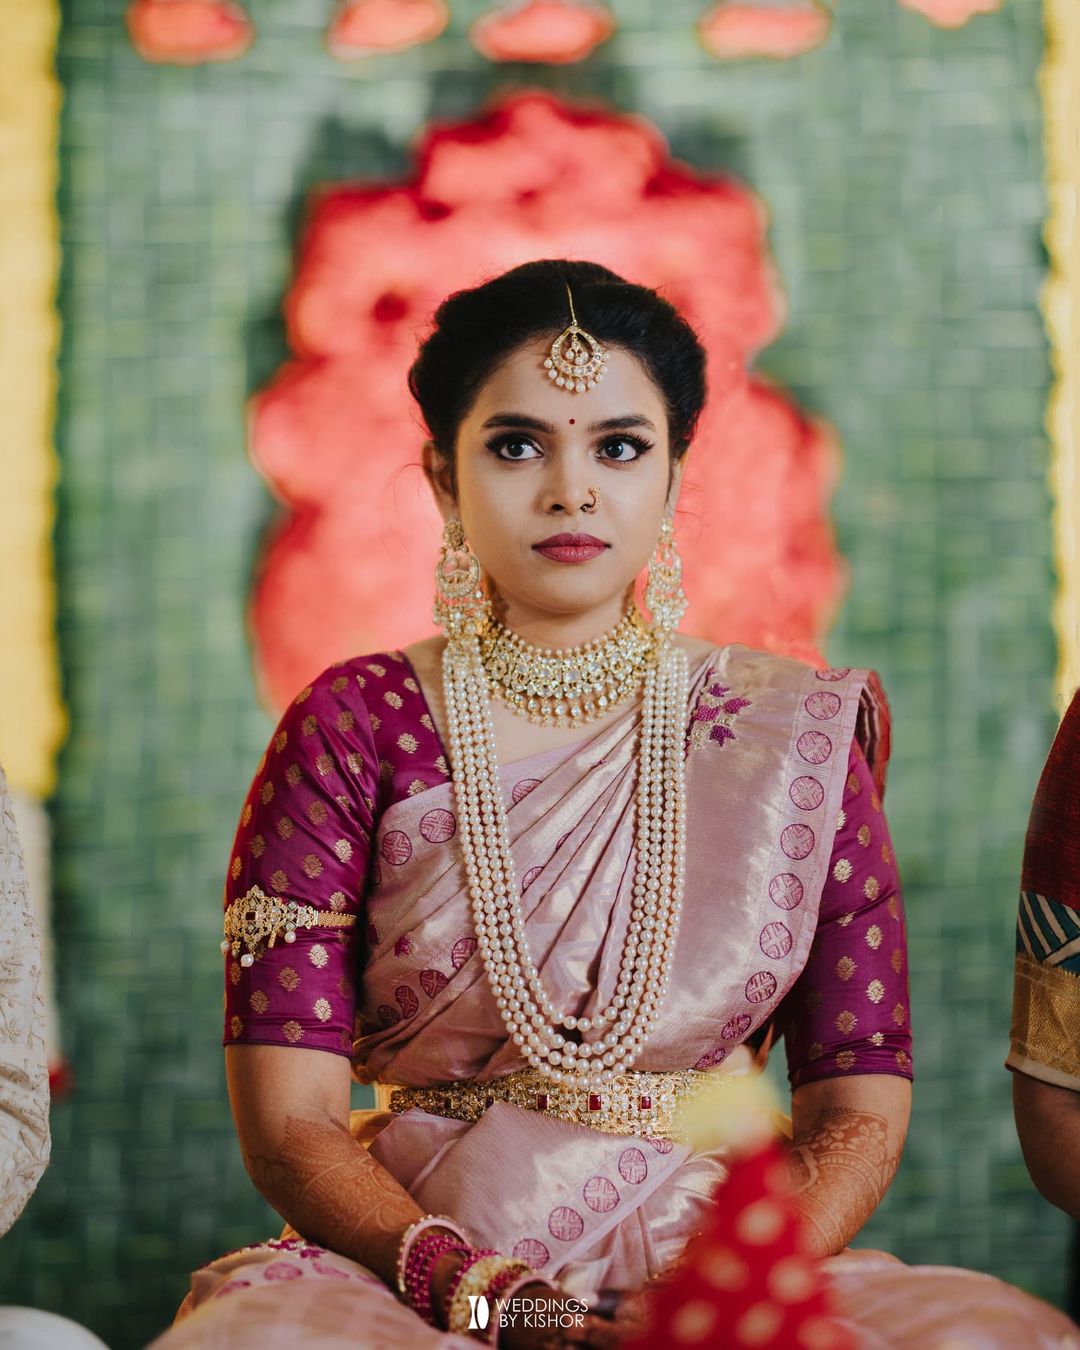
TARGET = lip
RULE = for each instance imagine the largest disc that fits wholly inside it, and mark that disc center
(570, 548)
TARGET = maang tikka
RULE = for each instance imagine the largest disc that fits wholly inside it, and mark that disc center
(577, 361)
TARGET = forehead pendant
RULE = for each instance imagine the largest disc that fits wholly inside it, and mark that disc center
(577, 361)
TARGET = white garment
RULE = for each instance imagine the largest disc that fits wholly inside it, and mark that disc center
(31, 1329)
(24, 1076)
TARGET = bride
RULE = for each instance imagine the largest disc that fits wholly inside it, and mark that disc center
(547, 874)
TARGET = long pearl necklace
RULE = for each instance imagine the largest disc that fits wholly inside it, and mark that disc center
(532, 1022)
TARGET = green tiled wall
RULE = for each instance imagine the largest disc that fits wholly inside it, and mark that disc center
(902, 169)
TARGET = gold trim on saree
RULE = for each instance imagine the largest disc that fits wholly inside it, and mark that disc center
(1046, 1023)
(257, 920)
(636, 1102)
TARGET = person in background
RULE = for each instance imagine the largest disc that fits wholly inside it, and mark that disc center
(1045, 1038)
(24, 1074)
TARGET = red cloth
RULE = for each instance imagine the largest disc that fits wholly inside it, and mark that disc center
(1052, 851)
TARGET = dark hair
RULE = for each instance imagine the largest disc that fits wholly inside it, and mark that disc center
(475, 330)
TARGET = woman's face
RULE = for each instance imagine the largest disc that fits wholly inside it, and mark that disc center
(531, 458)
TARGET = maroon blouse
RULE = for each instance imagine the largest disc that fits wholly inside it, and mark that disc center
(361, 738)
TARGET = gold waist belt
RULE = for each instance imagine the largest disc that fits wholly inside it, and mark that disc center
(635, 1102)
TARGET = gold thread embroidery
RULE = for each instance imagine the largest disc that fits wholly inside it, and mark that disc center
(875, 991)
(873, 937)
(846, 1023)
(1046, 1016)
(845, 968)
(842, 870)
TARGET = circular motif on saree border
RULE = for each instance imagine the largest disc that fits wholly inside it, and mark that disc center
(786, 891)
(432, 981)
(438, 826)
(711, 1058)
(775, 940)
(462, 949)
(331, 1272)
(281, 1270)
(533, 1251)
(798, 841)
(633, 1166)
(738, 1025)
(388, 1016)
(661, 1145)
(814, 746)
(396, 847)
(565, 1223)
(823, 706)
(600, 1195)
(521, 790)
(760, 987)
(529, 877)
(406, 999)
(807, 793)
(838, 673)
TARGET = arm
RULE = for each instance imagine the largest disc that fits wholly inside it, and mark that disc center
(1048, 1123)
(848, 1134)
(847, 1030)
(291, 1109)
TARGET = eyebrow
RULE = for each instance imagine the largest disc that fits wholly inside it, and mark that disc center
(525, 422)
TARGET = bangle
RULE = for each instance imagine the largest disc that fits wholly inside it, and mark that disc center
(478, 1274)
(423, 1257)
(413, 1232)
(508, 1292)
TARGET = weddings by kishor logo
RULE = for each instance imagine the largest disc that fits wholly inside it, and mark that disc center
(524, 1312)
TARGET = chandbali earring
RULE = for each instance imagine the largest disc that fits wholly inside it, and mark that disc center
(664, 595)
(461, 607)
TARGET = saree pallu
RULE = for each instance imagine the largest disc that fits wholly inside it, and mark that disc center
(767, 763)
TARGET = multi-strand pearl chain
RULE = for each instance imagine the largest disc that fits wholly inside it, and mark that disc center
(532, 1022)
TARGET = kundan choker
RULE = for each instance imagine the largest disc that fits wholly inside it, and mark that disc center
(567, 688)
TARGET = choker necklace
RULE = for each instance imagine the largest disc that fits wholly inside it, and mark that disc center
(567, 688)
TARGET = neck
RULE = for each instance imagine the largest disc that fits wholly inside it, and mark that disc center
(563, 631)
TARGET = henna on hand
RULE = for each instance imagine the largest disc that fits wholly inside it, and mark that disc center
(328, 1187)
(840, 1168)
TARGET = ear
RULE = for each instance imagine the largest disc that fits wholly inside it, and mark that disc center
(440, 477)
(675, 485)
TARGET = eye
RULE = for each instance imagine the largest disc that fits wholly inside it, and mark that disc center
(513, 448)
(624, 449)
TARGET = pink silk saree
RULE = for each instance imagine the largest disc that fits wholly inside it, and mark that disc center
(766, 771)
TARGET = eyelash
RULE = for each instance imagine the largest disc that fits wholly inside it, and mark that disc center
(642, 446)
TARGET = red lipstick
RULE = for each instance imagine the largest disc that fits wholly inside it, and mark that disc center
(570, 548)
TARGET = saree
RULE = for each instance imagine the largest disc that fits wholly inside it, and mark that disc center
(768, 766)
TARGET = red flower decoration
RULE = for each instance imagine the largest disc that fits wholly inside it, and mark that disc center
(187, 32)
(365, 26)
(734, 31)
(557, 32)
(951, 13)
(338, 439)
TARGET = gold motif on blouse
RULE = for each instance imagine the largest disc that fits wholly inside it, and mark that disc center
(845, 968)
(873, 937)
(309, 725)
(842, 870)
(845, 1059)
(875, 991)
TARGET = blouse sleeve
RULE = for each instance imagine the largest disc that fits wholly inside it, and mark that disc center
(848, 1012)
(304, 835)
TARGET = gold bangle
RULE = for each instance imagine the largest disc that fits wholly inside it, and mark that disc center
(475, 1280)
(257, 920)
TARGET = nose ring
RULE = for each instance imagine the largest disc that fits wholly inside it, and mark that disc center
(590, 506)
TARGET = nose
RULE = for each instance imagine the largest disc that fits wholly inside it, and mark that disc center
(567, 491)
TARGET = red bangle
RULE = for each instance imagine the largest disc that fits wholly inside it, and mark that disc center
(474, 1254)
(422, 1258)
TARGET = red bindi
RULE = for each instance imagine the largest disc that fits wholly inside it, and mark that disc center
(573, 420)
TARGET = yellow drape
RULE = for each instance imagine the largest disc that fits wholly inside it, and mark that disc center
(1060, 86)
(32, 720)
